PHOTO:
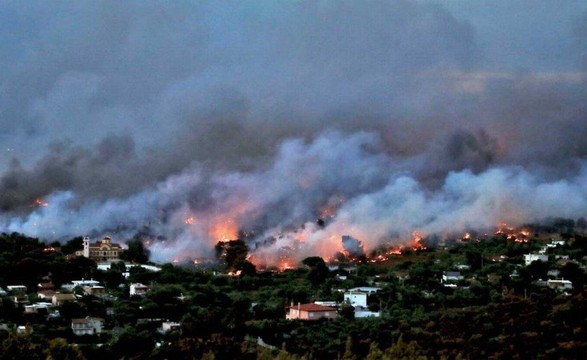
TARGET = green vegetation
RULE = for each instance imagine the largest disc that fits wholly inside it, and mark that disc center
(500, 309)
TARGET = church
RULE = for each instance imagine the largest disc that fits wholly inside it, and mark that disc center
(103, 250)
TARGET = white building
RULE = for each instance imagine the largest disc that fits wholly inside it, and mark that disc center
(366, 289)
(560, 285)
(169, 326)
(87, 326)
(362, 313)
(451, 277)
(138, 289)
(529, 258)
(356, 298)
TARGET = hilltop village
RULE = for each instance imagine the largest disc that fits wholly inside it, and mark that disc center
(515, 293)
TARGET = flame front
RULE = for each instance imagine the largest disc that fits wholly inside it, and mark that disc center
(223, 230)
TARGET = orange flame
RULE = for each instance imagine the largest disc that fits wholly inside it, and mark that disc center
(223, 230)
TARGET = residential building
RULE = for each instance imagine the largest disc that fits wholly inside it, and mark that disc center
(59, 299)
(169, 326)
(356, 298)
(16, 288)
(87, 326)
(138, 289)
(95, 290)
(310, 312)
(366, 289)
(529, 258)
(451, 277)
(560, 285)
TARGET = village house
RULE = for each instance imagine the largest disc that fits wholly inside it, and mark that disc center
(451, 277)
(529, 258)
(16, 289)
(87, 326)
(103, 250)
(46, 294)
(138, 289)
(81, 283)
(366, 289)
(356, 298)
(310, 312)
(560, 285)
(59, 299)
(95, 290)
(167, 326)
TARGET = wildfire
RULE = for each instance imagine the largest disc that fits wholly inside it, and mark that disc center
(511, 233)
(415, 245)
(40, 203)
(285, 264)
(329, 210)
(223, 230)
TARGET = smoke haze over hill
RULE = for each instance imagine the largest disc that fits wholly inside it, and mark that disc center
(192, 121)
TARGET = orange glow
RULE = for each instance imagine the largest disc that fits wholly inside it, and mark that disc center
(285, 264)
(223, 230)
(41, 203)
(329, 210)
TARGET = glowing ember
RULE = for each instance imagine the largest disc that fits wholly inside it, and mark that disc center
(40, 203)
(49, 249)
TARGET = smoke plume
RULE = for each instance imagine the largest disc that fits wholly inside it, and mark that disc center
(289, 124)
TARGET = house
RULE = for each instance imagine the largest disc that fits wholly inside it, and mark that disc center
(363, 313)
(103, 250)
(451, 277)
(356, 298)
(45, 294)
(560, 285)
(94, 290)
(167, 326)
(138, 289)
(366, 289)
(87, 326)
(529, 258)
(16, 288)
(310, 312)
(20, 299)
(80, 283)
(46, 286)
(58, 299)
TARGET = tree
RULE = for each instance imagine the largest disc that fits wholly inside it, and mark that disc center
(318, 269)
(60, 349)
(72, 245)
(16, 345)
(136, 252)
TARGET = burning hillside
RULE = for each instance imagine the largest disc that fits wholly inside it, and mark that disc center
(339, 179)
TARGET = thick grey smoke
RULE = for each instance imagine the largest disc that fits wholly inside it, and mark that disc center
(191, 121)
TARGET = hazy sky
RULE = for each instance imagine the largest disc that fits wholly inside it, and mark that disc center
(109, 100)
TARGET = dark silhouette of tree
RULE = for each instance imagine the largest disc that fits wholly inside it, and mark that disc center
(136, 252)
(318, 269)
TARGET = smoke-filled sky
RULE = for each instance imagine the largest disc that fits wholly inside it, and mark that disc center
(189, 121)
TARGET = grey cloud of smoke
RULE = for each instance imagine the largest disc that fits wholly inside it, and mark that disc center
(129, 117)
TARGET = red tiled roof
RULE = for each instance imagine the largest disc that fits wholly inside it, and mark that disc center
(312, 307)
